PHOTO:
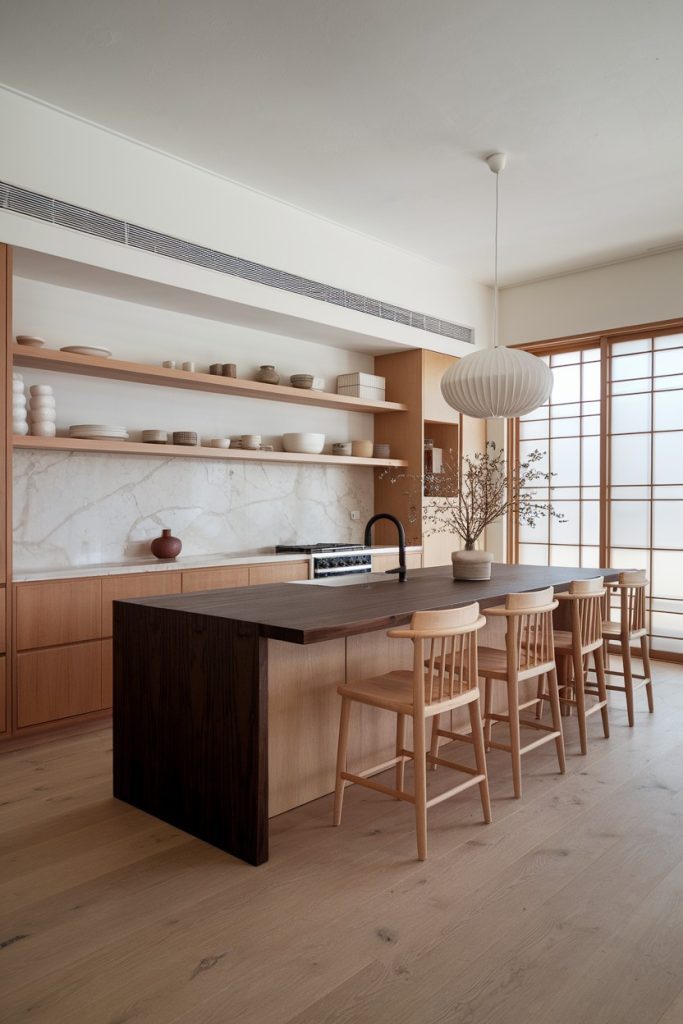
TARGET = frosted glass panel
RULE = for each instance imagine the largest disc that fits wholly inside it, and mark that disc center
(590, 425)
(668, 525)
(591, 382)
(676, 646)
(537, 534)
(669, 411)
(590, 522)
(669, 341)
(560, 555)
(621, 348)
(630, 523)
(631, 459)
(591, 355)
(565, 460)
(630, 387)
(629, 367)
(570, 427)
(590, 557)
(629, 493)
(669, 383)
(667, 573)
(669, 361)
(525, 450)
(537, 429)
(590, 461)
(668, 491)
(533, 554)
(565, 358)
(566, 409)
(669, 458)
(668, 625)
(630, 413)
(566, 533)
(567, 384)
(630, 559)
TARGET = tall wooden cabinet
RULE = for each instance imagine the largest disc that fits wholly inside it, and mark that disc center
(5, 479)
(414, 377)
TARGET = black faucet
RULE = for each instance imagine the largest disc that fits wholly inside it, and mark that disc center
(401, 542)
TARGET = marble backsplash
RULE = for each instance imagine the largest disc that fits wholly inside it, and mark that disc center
(77, 510)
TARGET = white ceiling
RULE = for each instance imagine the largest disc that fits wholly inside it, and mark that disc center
(376, 113)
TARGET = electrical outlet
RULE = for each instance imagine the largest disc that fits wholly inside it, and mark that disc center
(355, 515)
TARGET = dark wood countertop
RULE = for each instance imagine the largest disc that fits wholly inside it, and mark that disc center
(305, 614)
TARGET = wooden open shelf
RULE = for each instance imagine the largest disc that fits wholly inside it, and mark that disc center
(114, 447)
(140, 373)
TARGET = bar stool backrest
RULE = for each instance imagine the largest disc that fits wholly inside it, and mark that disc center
(445, 652)
(632, 587)
(587, 611)
(529, 635)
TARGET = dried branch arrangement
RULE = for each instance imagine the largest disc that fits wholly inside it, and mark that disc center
(472, 493)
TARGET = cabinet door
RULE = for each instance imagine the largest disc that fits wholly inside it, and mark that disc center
(58, 612)
(58, 683)
(3, 595)
(148, 584)
(380, 563)
(278, 572)
(3, 694)
(216, 579)
(107, 673)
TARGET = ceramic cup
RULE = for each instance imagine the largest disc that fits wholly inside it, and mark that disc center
(189, 366)
(43, 429)
(216, 369)
(220, 442)
(40, 389)
(251, 441)
(169, 364)
(229, 370)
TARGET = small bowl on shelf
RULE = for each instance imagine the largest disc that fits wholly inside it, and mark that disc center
(341, 448)
(185, 437)
(302, 380)
(381, 451)
(41, 389)
(303, 444)
(30, 341)
(252, 442)
(219, 442)
(362, 449)
(155, 436)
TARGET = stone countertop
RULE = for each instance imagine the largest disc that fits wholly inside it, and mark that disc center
(151, 564)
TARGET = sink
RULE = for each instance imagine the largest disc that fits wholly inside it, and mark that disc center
(359, 579)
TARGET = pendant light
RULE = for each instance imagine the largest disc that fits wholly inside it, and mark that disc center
(497, 382)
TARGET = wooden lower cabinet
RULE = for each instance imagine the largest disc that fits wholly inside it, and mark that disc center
(57, 612)
(144, 584)
(277, 572)
(58, 682)
(380, 563)
(216, 579)
(3, 694)
(3, 644)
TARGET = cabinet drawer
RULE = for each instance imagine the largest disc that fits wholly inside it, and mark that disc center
(148, 584)
(3, 694)
(279, 572)
(3, 595)
(59, 612)
(58, 683)
(216, 579)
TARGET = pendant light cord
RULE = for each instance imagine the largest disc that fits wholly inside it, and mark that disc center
(495, 270)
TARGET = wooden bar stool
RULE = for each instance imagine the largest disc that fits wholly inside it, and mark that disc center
(631, 627)
(446, 641)
(585, 600)
(528, 653)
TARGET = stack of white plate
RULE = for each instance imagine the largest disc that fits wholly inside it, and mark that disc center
(98, 431)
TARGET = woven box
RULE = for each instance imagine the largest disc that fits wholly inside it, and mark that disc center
(361, 385)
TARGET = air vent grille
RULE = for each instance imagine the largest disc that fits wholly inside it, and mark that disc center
(32, 204)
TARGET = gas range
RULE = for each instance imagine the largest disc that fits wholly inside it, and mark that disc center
(332, 559)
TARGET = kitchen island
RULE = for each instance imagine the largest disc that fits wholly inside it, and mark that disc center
(225, 702)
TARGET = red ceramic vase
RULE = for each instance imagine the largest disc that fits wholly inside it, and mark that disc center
(166, 546)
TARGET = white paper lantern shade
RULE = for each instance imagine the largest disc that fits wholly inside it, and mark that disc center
(497, 383)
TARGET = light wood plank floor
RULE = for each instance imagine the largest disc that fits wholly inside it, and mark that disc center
(568, 909)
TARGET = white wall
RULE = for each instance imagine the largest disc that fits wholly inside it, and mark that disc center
(71, 510)
(59, 155)
(637, 292)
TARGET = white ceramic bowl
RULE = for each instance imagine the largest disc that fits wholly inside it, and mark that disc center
(220, 442)
(251, 441)
(304, 444)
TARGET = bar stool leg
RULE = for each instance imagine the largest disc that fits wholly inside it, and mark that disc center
(554, 692)
(400, 745)
(434, 746)
(480, 758)
(580, 697)
(599, 660)
(341, 758)
(515, 739)
(488, 704)
(647, 670)
(539, 697)
(420, 787)
(628, 679)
